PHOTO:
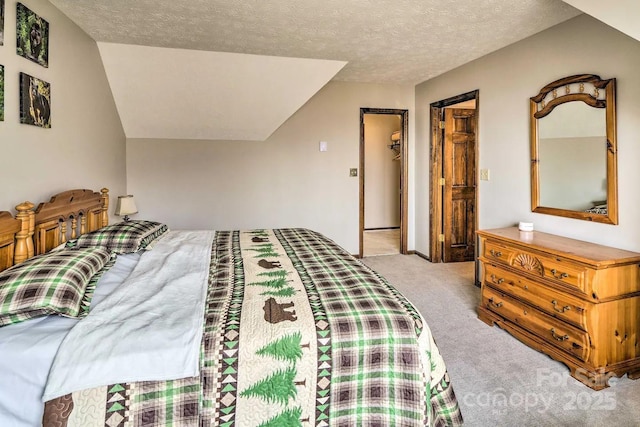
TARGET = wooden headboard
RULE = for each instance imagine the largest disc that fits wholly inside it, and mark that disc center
(60, 215)
(66, 215)
(8, 229)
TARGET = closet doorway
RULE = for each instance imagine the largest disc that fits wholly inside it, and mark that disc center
(383, 181)
(453, 183)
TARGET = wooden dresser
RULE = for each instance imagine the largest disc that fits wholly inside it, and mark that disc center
(575, 301)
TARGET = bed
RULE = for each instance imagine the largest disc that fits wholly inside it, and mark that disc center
(248, 328)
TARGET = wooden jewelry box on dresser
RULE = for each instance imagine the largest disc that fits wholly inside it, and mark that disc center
(575, 301)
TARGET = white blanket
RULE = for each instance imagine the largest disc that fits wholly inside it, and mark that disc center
(149, 329)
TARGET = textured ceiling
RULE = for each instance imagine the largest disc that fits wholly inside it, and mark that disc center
(383, 41)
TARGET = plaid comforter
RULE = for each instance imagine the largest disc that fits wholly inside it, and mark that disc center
(297, 333)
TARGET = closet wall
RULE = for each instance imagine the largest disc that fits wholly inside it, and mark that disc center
(381, 172)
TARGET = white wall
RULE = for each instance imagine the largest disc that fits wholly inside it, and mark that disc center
(85, 147)
(506, 80)
(381, 172)
(284, 181)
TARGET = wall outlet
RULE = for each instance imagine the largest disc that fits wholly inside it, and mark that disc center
(324, 146)
(353, 172)
(484, 174)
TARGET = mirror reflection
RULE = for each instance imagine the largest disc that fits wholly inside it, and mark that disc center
(572, 157)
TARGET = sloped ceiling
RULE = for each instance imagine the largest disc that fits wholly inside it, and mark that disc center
(194, 94)
(621, 14)
(220, 69)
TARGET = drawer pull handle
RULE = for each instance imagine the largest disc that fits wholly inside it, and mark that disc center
(562, 310)
(495, 253)
(555, 274)
(558, 337)
(491, 302)
(493, 279)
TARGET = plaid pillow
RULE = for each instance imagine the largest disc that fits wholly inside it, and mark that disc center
(60, 282)
(123, 237)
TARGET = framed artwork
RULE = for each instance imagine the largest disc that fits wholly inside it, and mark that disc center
(32, 34)
(1, 22)
(1, 93)
(35, 101)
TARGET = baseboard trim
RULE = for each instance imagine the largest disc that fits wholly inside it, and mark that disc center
(423, 256)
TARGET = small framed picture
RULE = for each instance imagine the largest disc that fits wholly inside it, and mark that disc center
(32, 34)
(35, 101)
(1, 93)
(1, 22)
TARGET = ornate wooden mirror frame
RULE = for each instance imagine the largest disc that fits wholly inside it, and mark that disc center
(600, 94)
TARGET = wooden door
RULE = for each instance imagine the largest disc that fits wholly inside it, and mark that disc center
(459, 173)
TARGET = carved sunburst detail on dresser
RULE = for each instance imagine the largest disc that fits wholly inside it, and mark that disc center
(528, 263)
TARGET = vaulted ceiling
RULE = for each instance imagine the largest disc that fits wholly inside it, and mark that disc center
(218, 69)
(170, 93)
(621, 14)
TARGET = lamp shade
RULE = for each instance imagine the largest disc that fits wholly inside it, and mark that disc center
(126, 206)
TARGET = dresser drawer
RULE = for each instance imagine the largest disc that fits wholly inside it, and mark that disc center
(495, 252)
(549, 300)
(555, 269)
(552, 330)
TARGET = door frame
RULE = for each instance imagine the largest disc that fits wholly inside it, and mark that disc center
(436, 220)
(404, 119)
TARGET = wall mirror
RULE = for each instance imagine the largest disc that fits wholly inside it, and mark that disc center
(574, 149)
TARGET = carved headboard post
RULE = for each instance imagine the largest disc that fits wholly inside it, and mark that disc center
(24, 237)
(9, 226)
(83, 225)
(105, 206)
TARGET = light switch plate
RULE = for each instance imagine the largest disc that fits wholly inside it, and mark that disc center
(484, 174)
(324, 146)
(353, 172)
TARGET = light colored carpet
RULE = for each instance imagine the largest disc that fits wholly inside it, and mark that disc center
(381, 242)
(498, 380)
